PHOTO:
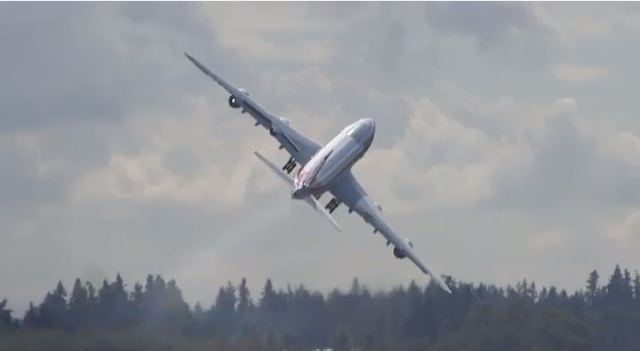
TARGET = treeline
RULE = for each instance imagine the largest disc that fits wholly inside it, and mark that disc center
(154, 316)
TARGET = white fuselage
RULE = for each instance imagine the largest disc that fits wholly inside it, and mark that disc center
(334, 159)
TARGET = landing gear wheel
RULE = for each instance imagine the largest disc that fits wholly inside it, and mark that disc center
(290, 165)
(332, 205)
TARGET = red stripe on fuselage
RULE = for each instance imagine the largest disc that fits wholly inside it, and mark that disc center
(304, 175)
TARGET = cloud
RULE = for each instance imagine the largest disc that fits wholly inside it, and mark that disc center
(511, 31)
(578, 74)
(589, 21)
(490, 24)
(547, 240)
(626, 147)
(627, 230)
(440, 161)
(120, 156)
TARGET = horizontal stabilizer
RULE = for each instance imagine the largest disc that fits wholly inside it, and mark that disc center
(285, 177)
(310, 200)
(313, 202)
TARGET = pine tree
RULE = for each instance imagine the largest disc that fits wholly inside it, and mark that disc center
(79, 305)
(636, 288)
(615, 288)
(341, 340)
(53, 311)
(244, 297)
(270, 343)
(5, 314)
(593, 292)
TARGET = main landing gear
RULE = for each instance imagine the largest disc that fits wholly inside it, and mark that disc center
(332, 205)
(290, 165)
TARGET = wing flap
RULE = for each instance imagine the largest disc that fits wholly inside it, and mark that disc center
(291, 143)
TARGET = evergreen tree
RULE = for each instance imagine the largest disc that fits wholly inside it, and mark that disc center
(79, 310)
(244, 298)
(341, 340)
(615, 288)
(5, 314)
(270, 342)
(636, 288)
(52, 312)
(413, 318)
(32, 317)
(593, 292)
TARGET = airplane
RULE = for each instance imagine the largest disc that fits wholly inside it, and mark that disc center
(323, 168)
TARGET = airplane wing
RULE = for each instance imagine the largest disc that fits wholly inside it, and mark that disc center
(349, 191)
(300, 147)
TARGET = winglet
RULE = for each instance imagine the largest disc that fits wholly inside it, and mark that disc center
(437, 279)
(441, 283)
(426, 270)
(198, 64)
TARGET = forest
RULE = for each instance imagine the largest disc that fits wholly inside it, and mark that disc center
(604, 315)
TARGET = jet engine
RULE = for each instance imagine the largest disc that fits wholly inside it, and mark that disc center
(232, 102)
(399, 253)
(232, 99)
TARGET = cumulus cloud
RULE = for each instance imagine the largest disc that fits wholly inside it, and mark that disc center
(120, 156)
(626, 147)
(547, 240)
(578, 74)
(628, 229)
(591, 21)
(509, 31)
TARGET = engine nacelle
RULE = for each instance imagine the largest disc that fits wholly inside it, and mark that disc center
(399, 253)
(233, 103)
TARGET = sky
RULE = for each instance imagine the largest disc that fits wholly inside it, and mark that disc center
(507, 143)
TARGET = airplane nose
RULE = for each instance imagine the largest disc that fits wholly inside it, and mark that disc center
(370, 123)
(364, 131)
(368, 127)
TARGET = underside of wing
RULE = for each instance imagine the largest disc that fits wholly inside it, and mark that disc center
(349, 192)
(300, 147)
